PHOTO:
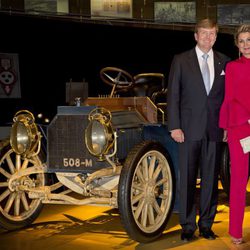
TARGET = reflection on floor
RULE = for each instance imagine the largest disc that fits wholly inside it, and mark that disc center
(87, 227)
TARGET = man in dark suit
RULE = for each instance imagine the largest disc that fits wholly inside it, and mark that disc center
(195, 94)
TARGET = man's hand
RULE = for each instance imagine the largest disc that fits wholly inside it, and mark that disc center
(177, 135)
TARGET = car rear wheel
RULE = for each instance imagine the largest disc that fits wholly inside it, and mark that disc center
(146, 191)
(17, 210)
(225, 169)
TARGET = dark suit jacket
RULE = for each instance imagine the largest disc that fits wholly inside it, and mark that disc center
(188, 106)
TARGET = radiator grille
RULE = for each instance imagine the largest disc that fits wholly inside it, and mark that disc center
(66, 145)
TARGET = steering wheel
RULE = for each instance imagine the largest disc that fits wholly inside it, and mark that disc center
(117, 78)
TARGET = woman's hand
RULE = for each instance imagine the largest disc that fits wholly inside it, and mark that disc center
(224, 136)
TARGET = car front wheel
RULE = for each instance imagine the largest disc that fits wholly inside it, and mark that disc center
(17, 210)
(146, 191)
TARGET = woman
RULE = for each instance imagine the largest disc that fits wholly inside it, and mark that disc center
(235, 119)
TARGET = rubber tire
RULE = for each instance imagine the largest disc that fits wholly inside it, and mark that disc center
(124, 192)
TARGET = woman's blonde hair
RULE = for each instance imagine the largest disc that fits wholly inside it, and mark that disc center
(242, 29)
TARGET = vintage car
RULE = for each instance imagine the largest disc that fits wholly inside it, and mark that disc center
(109, 150)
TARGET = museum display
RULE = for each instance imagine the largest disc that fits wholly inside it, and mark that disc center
(110, 150)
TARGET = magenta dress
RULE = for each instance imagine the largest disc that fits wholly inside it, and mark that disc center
(234, 116)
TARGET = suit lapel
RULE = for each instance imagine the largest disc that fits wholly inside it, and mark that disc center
(218, 67)
(193, 60)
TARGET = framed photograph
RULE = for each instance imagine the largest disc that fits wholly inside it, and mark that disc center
(9, 76)
(233, 13)
(56, 6)
(175, 12)
(40, 5)
(111, 8)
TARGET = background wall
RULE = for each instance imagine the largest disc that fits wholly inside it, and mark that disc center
(51, 52)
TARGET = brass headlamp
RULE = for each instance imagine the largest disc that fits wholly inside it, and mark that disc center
(25, 138)
(99, 134)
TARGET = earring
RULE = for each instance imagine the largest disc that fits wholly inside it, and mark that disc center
(239, 54)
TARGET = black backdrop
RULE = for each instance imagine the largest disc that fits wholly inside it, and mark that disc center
(51, 52)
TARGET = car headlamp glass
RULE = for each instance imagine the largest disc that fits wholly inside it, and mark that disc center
(99, 136)
(20, 137)
(24, 136)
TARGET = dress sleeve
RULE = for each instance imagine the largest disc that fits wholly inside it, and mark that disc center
(224, 112)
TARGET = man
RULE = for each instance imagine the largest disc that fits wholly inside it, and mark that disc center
(195, 94)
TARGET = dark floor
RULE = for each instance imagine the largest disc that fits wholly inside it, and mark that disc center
(96, 227)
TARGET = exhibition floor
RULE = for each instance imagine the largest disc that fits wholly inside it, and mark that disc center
(96, 227)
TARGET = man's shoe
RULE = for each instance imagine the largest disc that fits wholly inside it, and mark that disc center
(207, 233)
(187, 235)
